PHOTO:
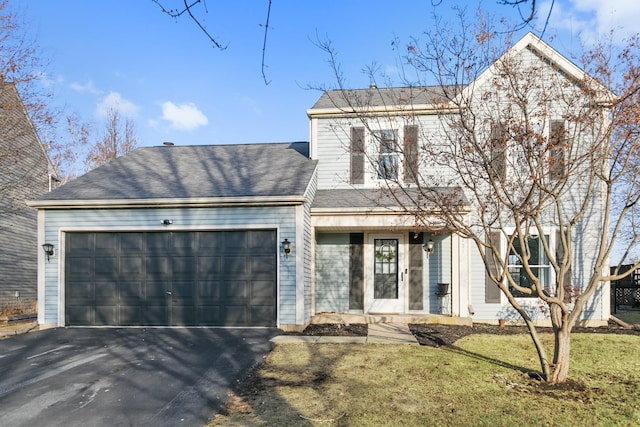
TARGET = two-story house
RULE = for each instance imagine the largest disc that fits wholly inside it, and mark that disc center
(25, 173)
(274, 234)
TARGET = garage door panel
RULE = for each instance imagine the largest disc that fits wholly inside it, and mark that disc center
(181, 289)
(79, 315)
(106, 291)
(209, 290)
(106, 266)
(183, 315)
(131, 315)
(158, 242)
(80, 290)
(155, 315)
(213, 278)
(263, 315)
(104, 314)
(209, 266)
(261, 267)
(184, 243)
(235, 290)
(157, 265)
(235, 265)
(234, 315)
(262, 290)
(184, 266)
(131, 290)
(82, 269)
(156, 289)
(131, 265)
(209, 315)
(77, 242)
(106, 243)
(132, 242)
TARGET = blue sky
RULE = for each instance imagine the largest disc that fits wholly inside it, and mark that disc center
(175, 86)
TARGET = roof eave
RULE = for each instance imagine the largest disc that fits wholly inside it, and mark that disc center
(380, 110)
(170, 203)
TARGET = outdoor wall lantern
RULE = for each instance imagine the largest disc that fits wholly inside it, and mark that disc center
(49, 250)
(428, 247)
(286, 247)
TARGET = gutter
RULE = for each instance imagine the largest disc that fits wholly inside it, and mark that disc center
(173, 203)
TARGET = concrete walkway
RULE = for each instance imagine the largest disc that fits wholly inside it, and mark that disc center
(378, 333)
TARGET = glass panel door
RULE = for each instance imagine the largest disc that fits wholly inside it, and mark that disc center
(385, 269)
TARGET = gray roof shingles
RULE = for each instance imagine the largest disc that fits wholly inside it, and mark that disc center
(386, 198)
(199, 171)
(379, 97)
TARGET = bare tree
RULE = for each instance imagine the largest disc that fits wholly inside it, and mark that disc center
(67, 154)
(119, 138)
(545, 154)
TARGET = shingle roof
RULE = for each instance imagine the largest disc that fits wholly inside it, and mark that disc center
(203, 171)
(386, 198)
(380, 97)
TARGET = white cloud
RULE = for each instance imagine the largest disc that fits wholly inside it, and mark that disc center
(184, 116)
(115, 101)
(88, 87)
(594, 19)
(46, 80)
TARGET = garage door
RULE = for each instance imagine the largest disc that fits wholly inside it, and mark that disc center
(205, 278)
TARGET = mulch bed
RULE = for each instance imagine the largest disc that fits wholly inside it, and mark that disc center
(434, 335)
(335, 330)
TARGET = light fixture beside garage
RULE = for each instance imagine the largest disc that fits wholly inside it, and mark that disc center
(167, 222)
(286, 247)
(49, 250)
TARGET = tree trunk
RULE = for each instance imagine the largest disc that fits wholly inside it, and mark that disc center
(561, 353)
(542, 355)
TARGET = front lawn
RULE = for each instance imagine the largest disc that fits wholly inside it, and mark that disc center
(480, 381)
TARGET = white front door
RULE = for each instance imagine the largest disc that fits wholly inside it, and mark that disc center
(385, 291)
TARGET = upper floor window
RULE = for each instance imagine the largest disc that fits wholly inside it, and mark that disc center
(557, 143)
(384, 154)
(498, 152)
(386, 141)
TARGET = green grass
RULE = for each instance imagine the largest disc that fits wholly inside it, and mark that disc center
(480, 382)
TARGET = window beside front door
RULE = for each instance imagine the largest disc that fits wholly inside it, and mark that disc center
(538, 262)
(385, 269)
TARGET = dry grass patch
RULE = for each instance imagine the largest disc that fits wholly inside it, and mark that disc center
(481, 381)
(18, 307)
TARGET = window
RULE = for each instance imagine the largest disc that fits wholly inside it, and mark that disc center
(386, 140)
(497, 154)
(557, 143)
(538, 263)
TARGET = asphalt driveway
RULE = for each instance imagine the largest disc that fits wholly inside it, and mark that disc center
(124, 377)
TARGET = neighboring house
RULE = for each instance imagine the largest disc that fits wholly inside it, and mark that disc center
(264, 234)
(25, 173)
